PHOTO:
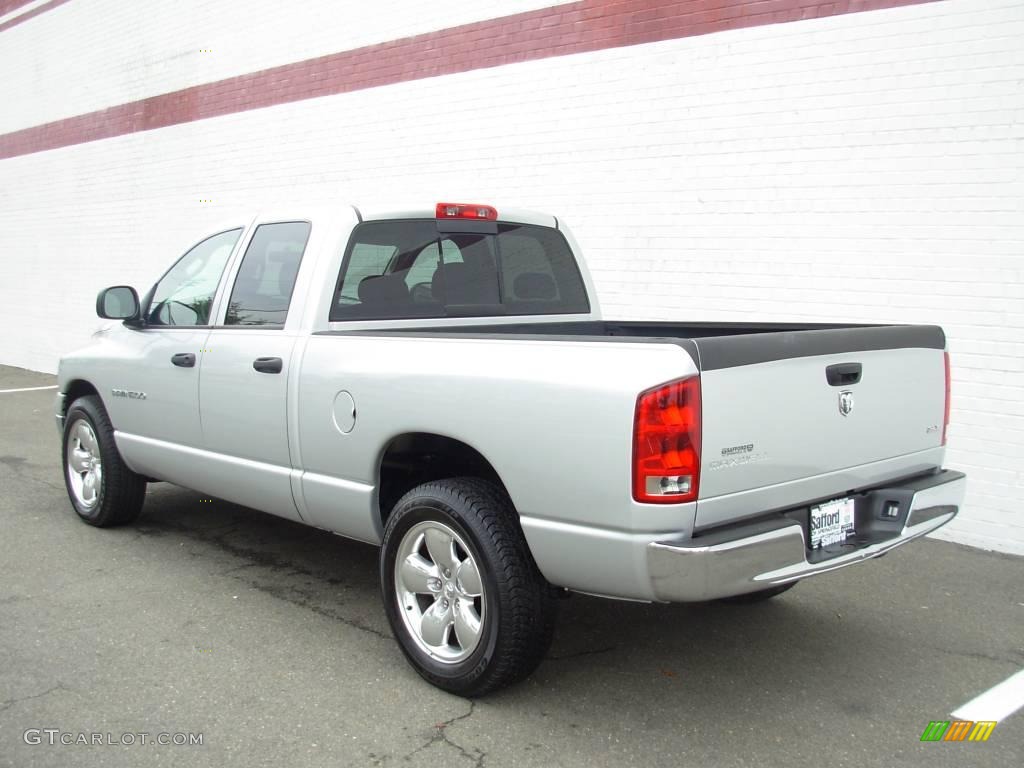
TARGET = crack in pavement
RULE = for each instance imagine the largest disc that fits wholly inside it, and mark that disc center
(272, 562)
(441, 737)
(38, 480)
(297, 598)
(8, 703)
(216, 536)
(142, 530)
(236, 568)
(977, 655)
(578, 654)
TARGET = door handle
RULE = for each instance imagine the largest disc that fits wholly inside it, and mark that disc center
(268, 364)
(843, 374)
(184, 360)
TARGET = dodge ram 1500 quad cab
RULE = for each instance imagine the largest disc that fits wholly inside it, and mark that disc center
(439, 381)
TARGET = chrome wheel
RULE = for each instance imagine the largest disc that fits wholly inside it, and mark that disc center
(84, 464)
(439, 591)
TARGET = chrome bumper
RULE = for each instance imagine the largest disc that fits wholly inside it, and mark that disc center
(775, 552)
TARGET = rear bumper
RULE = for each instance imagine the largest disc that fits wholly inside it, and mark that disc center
(760, 555)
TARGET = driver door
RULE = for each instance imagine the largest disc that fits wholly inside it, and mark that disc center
(156, 432)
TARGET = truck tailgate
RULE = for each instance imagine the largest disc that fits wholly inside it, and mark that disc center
(782, 407)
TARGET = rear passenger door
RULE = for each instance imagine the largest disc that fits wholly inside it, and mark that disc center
(244, 379)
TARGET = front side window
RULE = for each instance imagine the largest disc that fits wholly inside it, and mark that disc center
(266, 278)
(185, 294)
(409, 269)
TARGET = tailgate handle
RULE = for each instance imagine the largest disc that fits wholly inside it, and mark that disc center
(842, 374)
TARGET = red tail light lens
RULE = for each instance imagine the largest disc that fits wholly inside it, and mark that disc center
(666, 443)
(945, 420)
(466, 211)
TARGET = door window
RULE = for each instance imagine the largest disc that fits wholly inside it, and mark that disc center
(266, 278)
(185, 294)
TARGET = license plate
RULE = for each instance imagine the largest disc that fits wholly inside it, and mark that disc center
(831, 523)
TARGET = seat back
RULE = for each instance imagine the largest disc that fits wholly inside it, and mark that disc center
(382, 292)
(460, 283)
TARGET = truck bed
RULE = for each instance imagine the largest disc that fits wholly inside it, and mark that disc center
(782, 402)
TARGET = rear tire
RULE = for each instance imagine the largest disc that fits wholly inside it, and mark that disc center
(101, 487)
(759, 596)
(465, 600)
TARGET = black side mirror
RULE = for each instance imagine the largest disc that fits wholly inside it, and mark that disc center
(120, 302)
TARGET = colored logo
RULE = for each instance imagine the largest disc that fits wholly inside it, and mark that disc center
(958, 730)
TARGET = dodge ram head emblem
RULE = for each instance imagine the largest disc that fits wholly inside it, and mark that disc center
(845, 402)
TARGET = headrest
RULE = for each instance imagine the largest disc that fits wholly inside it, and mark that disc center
(286, 274)
(534, 286)
(460, 283)
(383, 289)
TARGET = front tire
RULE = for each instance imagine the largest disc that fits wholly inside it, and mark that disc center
(101, 487)
(465, 600)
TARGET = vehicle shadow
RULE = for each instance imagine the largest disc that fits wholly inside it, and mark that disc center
(611, 655)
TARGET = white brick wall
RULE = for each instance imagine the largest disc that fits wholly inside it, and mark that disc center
(867, 167)
(124, 51)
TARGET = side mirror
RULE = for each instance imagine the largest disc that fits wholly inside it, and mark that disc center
(118, 303)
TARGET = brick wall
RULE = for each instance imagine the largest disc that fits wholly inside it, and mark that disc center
(861, 166)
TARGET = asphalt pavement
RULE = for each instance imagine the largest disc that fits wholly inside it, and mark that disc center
(268, 639)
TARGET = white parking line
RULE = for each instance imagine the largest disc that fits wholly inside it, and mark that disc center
(997, 703)
(25, 389)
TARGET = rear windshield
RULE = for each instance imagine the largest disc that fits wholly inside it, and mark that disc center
(409, 269)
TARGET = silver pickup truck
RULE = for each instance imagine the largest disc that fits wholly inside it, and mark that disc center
(438, 381)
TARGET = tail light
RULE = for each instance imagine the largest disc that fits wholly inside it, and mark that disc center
(466, 211)
(666, 443)
(945, 420)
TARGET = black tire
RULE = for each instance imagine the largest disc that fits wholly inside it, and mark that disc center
(759, 596)
(518, 619)
(121, 492)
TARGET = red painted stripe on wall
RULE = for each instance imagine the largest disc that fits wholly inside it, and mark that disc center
(589, 25)
(28, 14)
(6, 6)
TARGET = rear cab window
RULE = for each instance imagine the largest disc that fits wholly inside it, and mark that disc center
(398, 269)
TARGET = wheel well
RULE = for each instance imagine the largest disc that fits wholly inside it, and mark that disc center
(76, 389)
(419, 457)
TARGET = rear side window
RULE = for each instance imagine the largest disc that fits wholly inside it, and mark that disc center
(266, 278)
(408, 269)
